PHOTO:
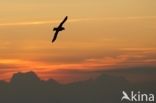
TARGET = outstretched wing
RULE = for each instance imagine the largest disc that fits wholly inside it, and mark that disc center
(65, 19)
(55, 36)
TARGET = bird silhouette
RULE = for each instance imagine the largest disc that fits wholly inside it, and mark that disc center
(59, 28)
(125, 96)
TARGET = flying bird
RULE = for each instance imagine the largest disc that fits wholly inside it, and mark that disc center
(59, 28)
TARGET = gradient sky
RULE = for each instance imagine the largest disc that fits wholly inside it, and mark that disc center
(99, 35)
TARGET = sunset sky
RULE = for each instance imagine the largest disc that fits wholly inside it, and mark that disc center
(99, 35)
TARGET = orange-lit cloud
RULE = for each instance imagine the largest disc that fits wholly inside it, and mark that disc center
(27, 23)
(139, 49)
(41, 22)
(47, 70)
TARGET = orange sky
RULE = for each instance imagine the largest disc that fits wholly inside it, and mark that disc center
(100, 34)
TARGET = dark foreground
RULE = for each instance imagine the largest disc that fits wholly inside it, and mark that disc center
(28, 88)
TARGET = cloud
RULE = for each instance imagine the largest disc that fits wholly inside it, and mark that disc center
(89, 66)
(27, 23)
(41, 22)
(138, 49)
(15, 65)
